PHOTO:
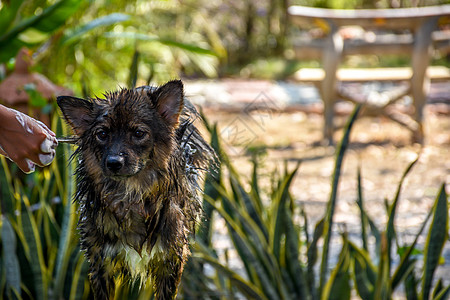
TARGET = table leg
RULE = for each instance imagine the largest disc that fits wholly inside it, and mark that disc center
(331, 59)
(419, 80)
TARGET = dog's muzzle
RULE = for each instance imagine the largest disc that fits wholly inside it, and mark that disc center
(115, 163)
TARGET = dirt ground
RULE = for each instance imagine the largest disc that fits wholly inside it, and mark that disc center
(381, 147)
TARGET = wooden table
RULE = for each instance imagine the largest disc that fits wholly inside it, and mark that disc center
(419, 22)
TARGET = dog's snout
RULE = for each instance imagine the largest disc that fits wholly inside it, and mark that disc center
(115, 162)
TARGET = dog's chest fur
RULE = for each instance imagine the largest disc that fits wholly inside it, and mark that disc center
(126, 223)
(124, 218)
(136, 227)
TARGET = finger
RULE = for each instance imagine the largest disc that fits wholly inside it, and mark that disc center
(3, 152)
(46, 128)
(31, 166)
(46, 159)
(26, 165)
(22, 119)
(42, 159)
(35, 158)
(48, 145)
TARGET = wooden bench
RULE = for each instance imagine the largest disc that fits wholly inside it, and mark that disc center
(412, 31)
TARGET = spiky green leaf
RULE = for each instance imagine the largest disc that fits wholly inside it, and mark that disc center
(332, 201)
(9, 256)
(338, 286)
(71, 36)
(437, 235)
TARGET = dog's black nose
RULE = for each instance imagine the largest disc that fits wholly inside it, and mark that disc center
(114, 162)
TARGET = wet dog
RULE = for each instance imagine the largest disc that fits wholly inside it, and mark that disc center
(140, 162)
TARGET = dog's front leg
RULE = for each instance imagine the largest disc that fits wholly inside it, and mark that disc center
(166, 275)
(101, 282)
(92, 242)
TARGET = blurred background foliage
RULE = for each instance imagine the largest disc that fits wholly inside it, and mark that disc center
(92, 46)
(96, 43)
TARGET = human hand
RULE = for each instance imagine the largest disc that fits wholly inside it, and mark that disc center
(26, 141)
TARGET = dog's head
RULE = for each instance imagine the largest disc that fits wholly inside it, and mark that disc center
(128, 131)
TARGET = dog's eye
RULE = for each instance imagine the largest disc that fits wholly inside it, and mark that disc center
(102, 135)
(139, 134)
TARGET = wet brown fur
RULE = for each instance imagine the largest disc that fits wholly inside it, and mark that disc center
(141, 212)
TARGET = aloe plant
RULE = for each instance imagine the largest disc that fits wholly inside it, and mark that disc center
(40, 253)
(280, 257)
(266, 238)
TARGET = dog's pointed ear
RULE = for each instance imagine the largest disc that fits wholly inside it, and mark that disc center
(77, 112)
(169, 101)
